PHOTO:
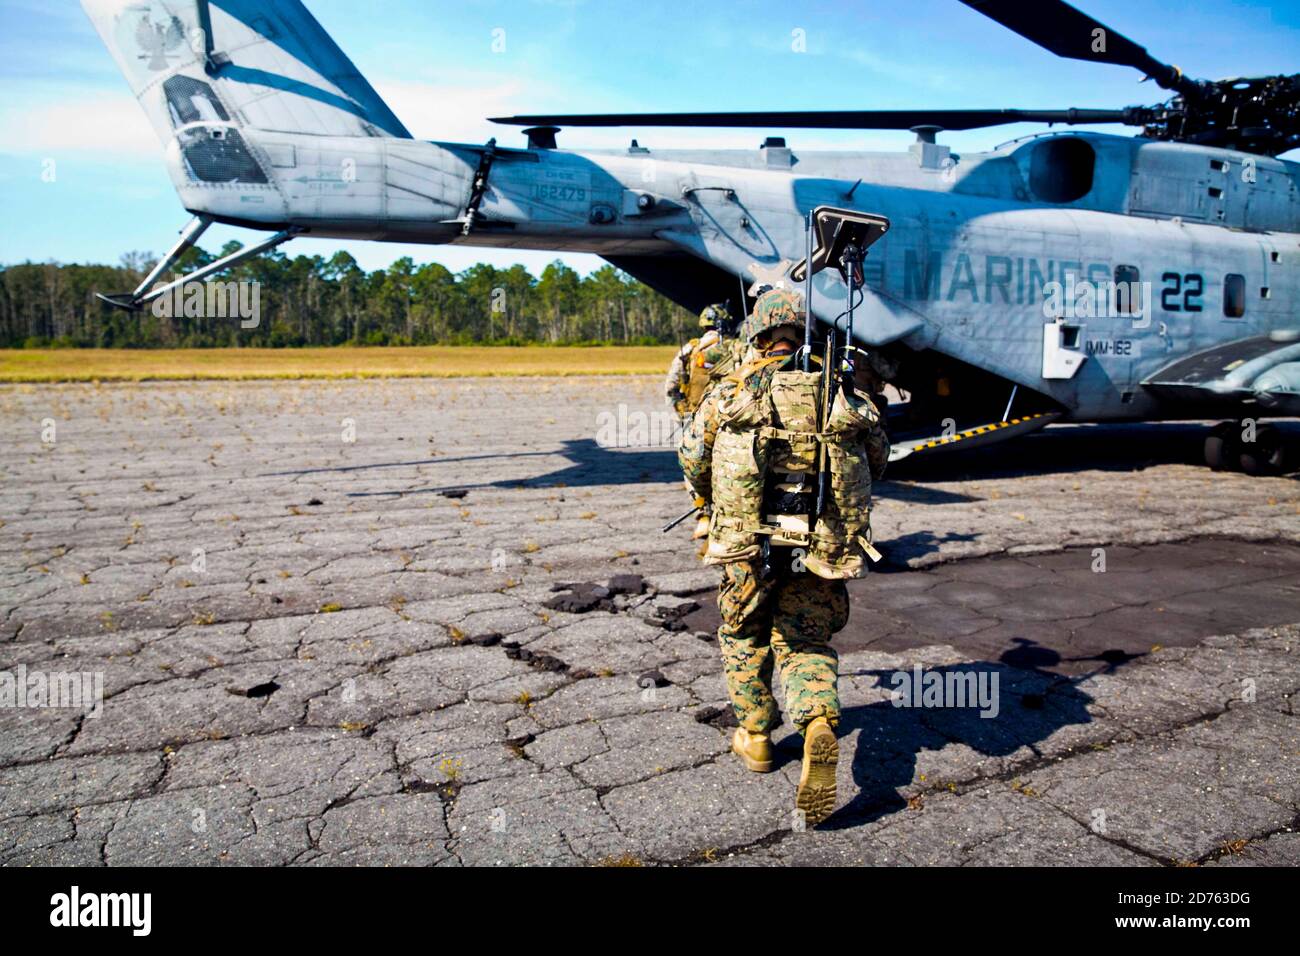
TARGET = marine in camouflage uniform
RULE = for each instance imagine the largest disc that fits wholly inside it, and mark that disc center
(778, 616)
(782, 623)
(701, 362)
(697, 366)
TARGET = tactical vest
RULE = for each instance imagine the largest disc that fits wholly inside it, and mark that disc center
(770, 441)
(711, 358)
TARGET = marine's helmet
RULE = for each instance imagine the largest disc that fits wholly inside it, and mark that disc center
(774, 308)
(712, 315)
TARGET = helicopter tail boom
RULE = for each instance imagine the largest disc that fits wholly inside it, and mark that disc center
(266, 123)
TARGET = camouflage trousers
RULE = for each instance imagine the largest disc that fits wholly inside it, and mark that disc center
(784, 623)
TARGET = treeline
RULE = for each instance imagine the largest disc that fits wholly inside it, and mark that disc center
(310, 300)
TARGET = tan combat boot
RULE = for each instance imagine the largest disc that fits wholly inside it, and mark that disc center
(755, 749)
(821, 752)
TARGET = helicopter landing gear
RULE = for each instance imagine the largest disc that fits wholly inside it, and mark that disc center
(1266, 455)
(1223, 446)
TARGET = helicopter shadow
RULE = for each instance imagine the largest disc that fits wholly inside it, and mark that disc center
(1059, 449)
(590, 464)
(902, 549)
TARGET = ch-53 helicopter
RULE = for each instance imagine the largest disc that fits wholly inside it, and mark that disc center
(1066, 276)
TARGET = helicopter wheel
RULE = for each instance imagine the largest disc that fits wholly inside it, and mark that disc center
(1223, 446)
(1266, 455)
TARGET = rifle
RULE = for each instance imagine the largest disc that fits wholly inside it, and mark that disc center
(678, 520)
(828, 390)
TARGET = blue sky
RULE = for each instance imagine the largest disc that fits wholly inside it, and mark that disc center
(433, 62)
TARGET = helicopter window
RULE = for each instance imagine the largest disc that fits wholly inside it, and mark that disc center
(1128, 290)
(192, 101)
(1061, 169)
(1234, 295)
(213, 154)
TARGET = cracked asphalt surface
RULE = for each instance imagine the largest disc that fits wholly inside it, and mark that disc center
(326, 618)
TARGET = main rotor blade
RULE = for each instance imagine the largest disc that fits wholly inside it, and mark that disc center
(1065, 31)
(833, 119)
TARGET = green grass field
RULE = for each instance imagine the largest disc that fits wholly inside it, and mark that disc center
(139, 365)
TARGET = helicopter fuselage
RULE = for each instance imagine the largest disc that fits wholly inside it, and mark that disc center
(1006, 261)
(1072, 275)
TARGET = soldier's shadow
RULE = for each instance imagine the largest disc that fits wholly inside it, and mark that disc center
(1031, 705)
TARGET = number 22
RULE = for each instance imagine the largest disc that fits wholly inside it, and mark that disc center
(1191, 286)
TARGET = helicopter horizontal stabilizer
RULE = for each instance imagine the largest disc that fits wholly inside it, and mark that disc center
(127, 301)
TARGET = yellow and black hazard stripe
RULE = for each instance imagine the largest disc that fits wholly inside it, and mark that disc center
(980, 430)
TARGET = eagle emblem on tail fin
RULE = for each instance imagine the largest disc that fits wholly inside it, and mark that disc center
(158, 39)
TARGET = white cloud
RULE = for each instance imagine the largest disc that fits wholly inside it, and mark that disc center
(109, 122)
(453, 113)
(77, 120)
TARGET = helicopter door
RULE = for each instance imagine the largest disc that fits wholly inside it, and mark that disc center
(1063, 352)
